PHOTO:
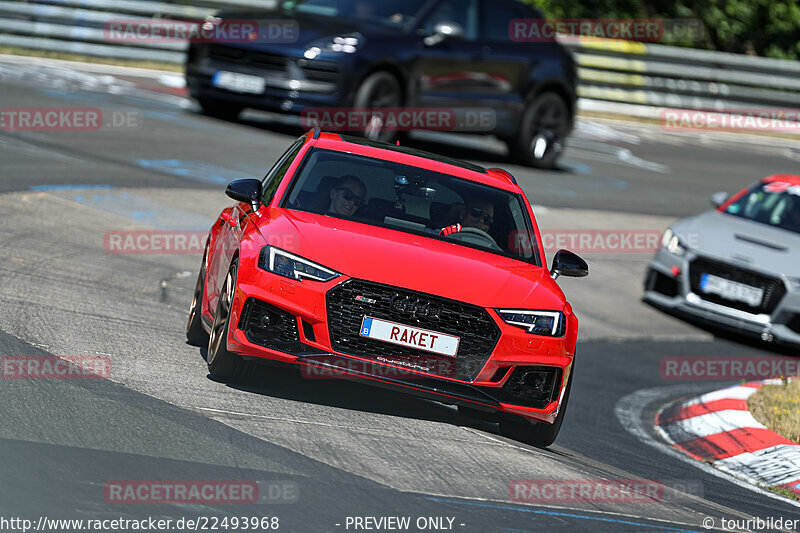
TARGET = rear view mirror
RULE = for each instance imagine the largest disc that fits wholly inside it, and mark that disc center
(245, 190)
(566, 263)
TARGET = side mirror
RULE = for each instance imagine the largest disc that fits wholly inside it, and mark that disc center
(245, 190)
(443, 31)
(719, 198)
(566, 263)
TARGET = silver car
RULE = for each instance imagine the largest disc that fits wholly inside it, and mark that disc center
(737, 266)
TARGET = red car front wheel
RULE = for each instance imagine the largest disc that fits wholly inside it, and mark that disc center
(195, 334)
(223, 364)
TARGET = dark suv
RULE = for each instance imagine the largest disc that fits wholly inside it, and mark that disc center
(452, 54)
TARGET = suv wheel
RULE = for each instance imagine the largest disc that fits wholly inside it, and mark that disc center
(542, 132)
(379, 90)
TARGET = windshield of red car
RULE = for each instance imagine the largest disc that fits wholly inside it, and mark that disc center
(396, 12)
(413, 200)
(776, 203)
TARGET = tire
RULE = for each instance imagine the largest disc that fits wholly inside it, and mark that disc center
(379, 90)
(224, 365)
(195, 334)
(542, 133)
(539, 434)
(222, 110)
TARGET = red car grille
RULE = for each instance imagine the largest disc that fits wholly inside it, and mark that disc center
(473, 325)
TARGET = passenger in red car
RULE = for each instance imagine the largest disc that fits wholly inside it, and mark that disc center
(347, 195)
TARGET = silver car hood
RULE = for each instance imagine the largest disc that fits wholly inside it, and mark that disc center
(743, 242)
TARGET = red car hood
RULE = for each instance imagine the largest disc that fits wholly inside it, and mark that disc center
(411, 261)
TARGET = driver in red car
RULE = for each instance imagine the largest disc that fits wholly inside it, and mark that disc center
(347, 195)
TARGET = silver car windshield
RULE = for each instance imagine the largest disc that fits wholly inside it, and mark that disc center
(776, 203)
(414, 200)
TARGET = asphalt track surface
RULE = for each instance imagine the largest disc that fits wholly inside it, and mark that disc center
(347, 449)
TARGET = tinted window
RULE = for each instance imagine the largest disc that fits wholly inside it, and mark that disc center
(396, 12)
(462, 12)
(496, 18)
(273, 178)
(413, 200)
(776, 203)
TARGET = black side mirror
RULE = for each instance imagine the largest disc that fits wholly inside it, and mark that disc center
(566, 263)
(443, 31)
(246, 190)
(719, 198)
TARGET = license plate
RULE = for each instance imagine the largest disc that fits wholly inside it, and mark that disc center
(731, 290)
(421, 339)
(239, 83)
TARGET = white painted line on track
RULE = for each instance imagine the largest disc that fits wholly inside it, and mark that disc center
(713, 423)
(501, 442)
(628, 411)
(735, 393)
(776, 465)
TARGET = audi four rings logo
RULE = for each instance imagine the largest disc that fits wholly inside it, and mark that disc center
(415, 307)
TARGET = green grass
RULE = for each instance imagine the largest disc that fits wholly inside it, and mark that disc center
(778, 408)
(786, 493)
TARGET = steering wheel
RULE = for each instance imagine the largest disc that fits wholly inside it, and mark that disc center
(483, 238)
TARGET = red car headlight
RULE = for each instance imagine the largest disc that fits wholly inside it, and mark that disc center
(283, 263)
(548, 323)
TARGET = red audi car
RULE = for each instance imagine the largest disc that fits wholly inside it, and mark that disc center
(410, 270)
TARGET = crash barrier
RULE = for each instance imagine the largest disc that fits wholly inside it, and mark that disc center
(610, 71)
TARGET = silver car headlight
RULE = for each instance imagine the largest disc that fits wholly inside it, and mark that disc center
(672, 243)
(548, 323)
(292, 266)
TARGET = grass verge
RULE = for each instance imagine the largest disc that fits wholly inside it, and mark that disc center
(156, 65)
(786, 493)
(778, 408)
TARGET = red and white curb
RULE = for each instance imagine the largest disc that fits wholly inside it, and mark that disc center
(717, 428)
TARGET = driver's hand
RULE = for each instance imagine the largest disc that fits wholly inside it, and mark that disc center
(449, 230)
